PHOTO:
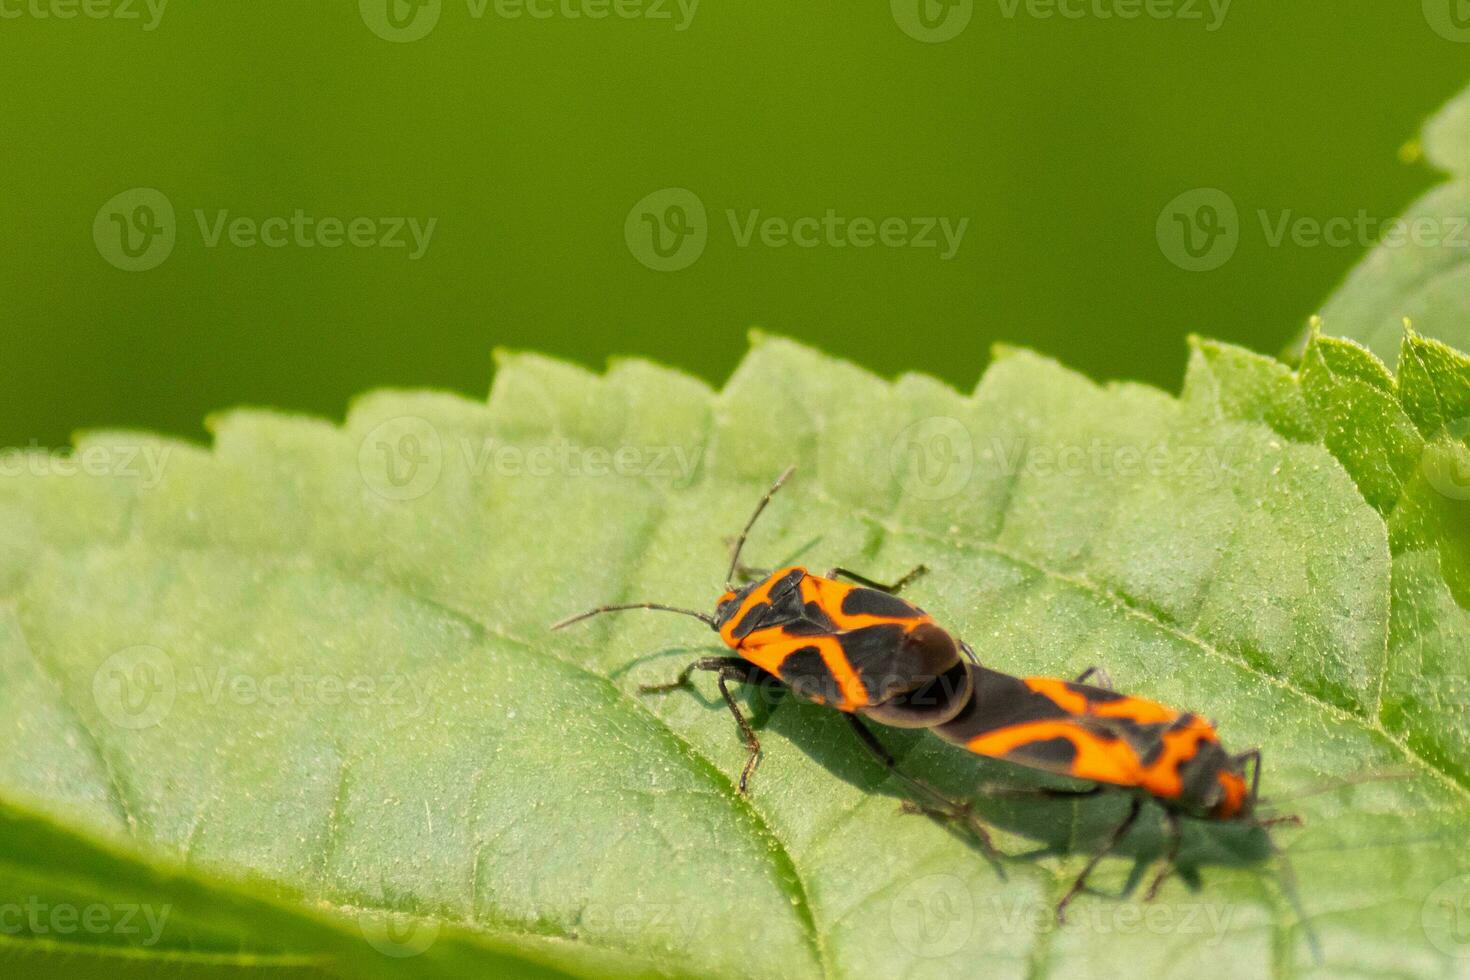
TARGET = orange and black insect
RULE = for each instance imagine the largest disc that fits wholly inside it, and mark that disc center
(1093, 733)
(854, 646)
(861, 649)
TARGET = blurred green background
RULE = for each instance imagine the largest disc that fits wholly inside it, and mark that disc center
(529, 140)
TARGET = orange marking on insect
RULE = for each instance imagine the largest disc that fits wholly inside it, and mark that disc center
(830, 594)
(854, 694)
(1235, 795)
(1139, 710)
(755, 598)
(1162, 777)
(1097, 759)
(1065, 698)
(769, 649)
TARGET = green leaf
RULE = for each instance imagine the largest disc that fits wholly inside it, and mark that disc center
(1420, 270)
(299, 687)
(1403, 442)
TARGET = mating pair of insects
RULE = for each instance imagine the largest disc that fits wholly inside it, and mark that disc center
(857, 647)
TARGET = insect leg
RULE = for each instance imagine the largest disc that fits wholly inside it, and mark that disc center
(724, 668)
(746, 574)
(863, 580)
(1252, 756)
(703, 663)
(939, 804)
(743, 573)
(1045, 792)
(1176, 837)
(1114, 840)
(1100, 678)
(1288, 820)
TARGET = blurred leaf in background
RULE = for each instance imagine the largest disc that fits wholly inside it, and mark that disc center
(287, 203)
(1420, 269)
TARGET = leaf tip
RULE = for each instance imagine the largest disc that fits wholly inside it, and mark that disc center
(758, 337)
(1200, 344)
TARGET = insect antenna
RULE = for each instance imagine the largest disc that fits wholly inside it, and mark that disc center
(740, 541)
(710, 620)
(1339, 783)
